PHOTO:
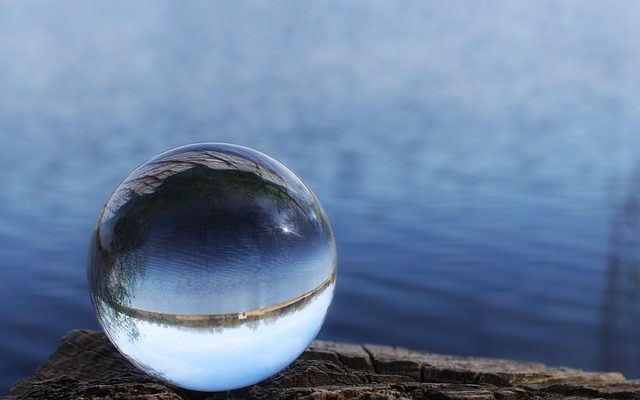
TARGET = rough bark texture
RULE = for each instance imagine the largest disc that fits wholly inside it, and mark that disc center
(87, 366)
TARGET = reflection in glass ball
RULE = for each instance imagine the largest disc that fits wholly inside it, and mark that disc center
(212, 266)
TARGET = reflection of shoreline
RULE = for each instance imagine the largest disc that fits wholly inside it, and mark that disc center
(230, 319)
(619, 332)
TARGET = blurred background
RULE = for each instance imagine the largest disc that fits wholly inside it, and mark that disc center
(479, 161)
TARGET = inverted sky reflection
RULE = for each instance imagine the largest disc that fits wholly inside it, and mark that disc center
(220, 359)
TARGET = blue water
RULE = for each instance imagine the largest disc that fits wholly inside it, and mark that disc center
(479, 161)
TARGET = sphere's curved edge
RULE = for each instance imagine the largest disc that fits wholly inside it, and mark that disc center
(204, 277)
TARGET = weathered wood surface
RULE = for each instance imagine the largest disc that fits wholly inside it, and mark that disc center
(87, 366)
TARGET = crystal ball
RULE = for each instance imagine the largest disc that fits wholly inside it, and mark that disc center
(212, 266)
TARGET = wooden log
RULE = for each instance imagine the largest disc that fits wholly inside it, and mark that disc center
(87, 366)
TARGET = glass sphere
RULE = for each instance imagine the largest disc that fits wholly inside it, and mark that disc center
(212, 266)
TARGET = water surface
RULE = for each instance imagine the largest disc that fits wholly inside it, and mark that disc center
(479, 161)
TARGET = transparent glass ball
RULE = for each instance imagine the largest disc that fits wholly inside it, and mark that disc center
(212, 266)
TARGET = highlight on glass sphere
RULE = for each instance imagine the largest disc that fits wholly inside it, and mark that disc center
(212, 267)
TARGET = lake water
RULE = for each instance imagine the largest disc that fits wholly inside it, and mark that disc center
(479, 161)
